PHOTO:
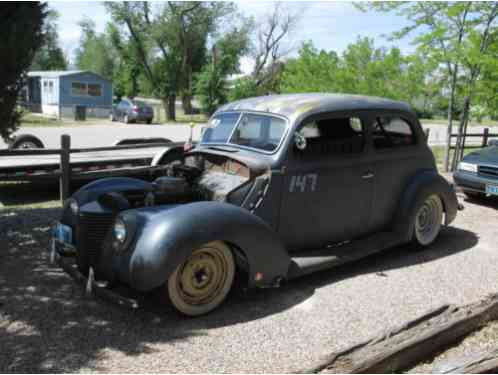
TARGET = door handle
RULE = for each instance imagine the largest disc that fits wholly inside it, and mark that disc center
(367, 175)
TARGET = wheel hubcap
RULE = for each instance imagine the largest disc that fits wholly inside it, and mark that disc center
(428, 220)
(27, 145)
(202, 276)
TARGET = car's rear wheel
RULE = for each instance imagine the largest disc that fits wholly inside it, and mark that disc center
(202, 282)
(472, 194)
(428, 221)
(126, 119)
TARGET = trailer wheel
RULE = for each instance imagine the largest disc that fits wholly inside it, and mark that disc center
(26, 141)
(202, 282)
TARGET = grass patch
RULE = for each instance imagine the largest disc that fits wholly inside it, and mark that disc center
(181, 117)
(439, 152)
(33, 120)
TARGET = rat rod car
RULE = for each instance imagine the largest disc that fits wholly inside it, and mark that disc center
(278, 187)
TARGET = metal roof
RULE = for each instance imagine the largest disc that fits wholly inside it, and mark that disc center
(60, 73)
(295, 105)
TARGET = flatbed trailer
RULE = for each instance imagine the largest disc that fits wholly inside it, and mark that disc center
(47, 166)
(68, 164)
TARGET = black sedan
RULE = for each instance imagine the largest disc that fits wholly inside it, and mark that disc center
(129, 110)
(477, 173)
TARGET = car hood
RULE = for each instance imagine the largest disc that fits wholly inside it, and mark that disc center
(487, 155)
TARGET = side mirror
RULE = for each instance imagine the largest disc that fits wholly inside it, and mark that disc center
(299, 141)
(493, 142)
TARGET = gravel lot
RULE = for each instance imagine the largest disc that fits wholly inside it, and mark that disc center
(47, 324)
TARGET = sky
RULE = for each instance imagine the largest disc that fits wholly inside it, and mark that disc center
(329, 25)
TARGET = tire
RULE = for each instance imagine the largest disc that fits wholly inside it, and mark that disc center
(111, 117)
(126, 120)
(149, 122)
(201, 283)
(26, 141)
(428, 221)
(472, 195)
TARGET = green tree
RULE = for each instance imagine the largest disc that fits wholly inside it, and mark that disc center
(211, 85)
(21, 31)
(448, 28)
(50, 55)
(95, 52)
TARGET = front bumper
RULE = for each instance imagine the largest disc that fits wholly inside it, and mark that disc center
(472, 181)
(117, 295)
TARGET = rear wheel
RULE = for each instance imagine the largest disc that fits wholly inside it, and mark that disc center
(202, 282)
(126, 119)
(149, 121)
(428, 221)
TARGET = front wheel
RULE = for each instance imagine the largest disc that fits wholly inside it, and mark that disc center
(202, 282)
(428, 221)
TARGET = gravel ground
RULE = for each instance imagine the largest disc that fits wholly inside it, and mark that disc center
(47, 325)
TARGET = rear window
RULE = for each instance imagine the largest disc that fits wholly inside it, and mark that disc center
(392, 132)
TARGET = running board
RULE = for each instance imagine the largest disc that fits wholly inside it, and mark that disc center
(310, 261)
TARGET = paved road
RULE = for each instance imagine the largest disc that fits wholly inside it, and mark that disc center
(47, 324)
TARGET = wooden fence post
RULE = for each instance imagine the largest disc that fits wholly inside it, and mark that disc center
(485, 137)
(65, 168)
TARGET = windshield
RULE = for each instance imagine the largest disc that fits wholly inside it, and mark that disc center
(262, 132)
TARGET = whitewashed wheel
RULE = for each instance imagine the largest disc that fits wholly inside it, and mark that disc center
(428, 220)
(202, 282)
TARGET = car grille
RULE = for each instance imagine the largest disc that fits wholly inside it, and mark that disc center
(488, 171)
(92, 229)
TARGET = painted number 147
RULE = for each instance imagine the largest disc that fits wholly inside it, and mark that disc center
(303, 183)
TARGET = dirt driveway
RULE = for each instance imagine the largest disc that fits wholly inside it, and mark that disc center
(47, 325)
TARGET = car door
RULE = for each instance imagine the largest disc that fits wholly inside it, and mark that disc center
(327, 189)
(397, 154)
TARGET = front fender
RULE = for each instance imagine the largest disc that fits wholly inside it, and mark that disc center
(422, 185)
(168, 236)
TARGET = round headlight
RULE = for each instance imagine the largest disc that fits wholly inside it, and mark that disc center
(119, 230)
(73, 206)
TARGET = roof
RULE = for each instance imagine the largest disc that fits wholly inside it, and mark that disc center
(295, 105)
(60, 73)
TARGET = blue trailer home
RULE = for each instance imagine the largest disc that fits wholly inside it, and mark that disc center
(63, 93)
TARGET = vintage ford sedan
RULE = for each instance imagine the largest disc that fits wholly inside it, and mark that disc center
(278, 187)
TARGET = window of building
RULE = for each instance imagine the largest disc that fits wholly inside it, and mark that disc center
(78, 89)
(94, 89)
(335, 136)
(390, 132)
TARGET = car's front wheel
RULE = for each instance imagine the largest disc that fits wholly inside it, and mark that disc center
(428, 221)
(202, 282)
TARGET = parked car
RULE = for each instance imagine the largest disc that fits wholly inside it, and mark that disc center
(279, 187)
(130, 110)
(477, 173)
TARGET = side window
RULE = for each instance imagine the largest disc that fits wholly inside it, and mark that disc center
(392, 132)
(335, 136)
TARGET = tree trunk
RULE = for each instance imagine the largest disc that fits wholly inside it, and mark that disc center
(187, 102)
(187, 82)
(459, 143)
(449, 129)
(169, 107)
